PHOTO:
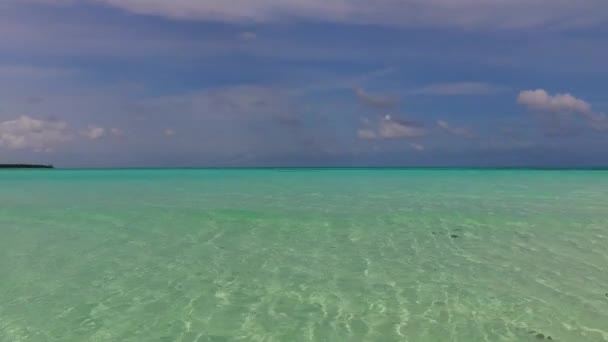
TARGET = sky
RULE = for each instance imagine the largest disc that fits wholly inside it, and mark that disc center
(241, 83)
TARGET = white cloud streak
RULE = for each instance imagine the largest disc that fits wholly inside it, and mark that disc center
(378, 101)
(457, 131)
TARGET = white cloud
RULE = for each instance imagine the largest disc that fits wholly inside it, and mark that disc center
(457, 131)
(392, 128)
(459, 88)
(540, 100)
(94, 132)
(561, 106)
(28, 133)
(489, 14)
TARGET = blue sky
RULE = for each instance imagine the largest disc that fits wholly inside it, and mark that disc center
(154, 83)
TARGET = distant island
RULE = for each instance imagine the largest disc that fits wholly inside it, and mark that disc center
(25, 166)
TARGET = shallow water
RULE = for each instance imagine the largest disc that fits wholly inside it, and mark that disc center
(303, 255)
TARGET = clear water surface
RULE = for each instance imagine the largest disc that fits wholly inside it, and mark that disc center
(303, 255)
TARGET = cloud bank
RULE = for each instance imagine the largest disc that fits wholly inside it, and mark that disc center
(489, 14)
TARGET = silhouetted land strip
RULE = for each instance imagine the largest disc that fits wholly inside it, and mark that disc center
(25, 166)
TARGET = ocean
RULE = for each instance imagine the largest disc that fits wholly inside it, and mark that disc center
(303, 255)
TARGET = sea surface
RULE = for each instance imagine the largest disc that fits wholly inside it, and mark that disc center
(303, 255)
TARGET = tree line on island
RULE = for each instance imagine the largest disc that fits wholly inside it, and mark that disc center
(25, 166)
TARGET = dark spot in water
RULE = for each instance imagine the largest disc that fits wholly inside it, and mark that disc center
(532, 332)
(540, 336)
(454, 236)
(549, 338)
(606, 294)
(458, 229)
(435, 233)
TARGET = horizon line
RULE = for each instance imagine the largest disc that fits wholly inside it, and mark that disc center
(547, 168)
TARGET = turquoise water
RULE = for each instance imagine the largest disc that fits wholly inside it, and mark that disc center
(303, 255)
